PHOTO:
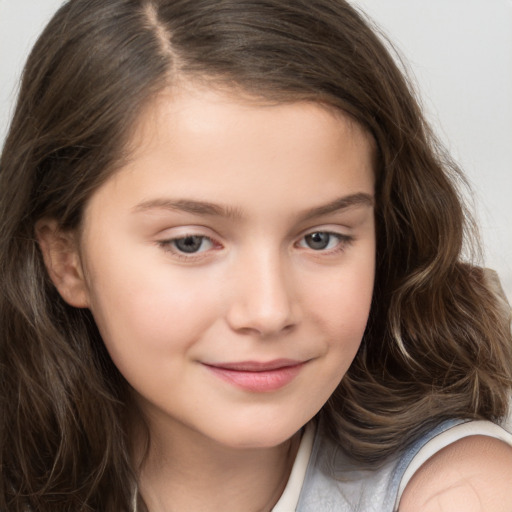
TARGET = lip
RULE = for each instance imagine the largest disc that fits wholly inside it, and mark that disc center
(257, 376)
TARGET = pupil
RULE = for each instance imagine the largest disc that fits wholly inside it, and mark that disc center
(318, 241)
(189, 244)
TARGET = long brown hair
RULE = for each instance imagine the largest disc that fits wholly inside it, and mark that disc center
(436, 345)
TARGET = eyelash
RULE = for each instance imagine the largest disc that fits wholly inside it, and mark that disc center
(169, 245)
(344, 241)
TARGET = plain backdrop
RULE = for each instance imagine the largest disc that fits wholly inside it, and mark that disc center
(459, 52)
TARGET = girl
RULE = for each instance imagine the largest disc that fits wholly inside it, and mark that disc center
(232, 277)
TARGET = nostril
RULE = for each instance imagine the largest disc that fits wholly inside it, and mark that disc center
(263, 300)
(264, 322)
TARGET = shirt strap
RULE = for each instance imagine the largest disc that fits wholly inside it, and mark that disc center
(290, 497)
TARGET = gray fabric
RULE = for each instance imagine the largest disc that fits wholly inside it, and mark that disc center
(333, 482)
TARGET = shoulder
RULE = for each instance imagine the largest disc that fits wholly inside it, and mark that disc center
(473, 474)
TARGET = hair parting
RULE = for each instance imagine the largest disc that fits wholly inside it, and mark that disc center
(437, 344)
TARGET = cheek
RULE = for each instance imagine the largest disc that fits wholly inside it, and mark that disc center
(340, 309)
(342, 304)
(144, 312)
(338, 316)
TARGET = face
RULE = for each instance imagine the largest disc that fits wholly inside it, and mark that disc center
(230, 264)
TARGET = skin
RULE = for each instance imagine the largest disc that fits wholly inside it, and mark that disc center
(257, 289)
(471, 475)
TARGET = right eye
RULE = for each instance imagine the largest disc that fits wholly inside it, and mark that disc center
(324, 241)
(189, 244)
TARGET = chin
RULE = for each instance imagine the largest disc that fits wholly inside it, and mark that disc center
(261, 435)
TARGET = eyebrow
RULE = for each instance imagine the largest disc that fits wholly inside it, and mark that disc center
(343, 203)
(211, 209)
(190, 206)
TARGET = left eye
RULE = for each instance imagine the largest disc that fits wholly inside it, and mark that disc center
(191, 244)
(321, 240)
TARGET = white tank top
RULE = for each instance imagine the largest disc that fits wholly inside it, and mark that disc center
(324, 479)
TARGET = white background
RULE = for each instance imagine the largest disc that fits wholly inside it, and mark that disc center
(460, 53)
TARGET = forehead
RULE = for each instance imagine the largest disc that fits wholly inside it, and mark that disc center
(191, 107)
(202, 144)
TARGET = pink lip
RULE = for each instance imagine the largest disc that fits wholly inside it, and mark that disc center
(256, 376)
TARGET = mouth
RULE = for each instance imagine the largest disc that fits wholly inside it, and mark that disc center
(257, 376)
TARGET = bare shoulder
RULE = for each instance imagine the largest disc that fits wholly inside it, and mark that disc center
(473, 474)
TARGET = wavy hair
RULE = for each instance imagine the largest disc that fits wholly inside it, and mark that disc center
(436, 344)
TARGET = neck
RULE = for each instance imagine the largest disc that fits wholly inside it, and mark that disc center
(185, 471)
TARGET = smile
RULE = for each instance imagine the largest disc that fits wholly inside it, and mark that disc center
(258, 377)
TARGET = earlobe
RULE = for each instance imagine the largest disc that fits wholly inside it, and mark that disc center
(62, 261)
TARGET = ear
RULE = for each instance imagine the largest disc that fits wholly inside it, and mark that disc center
(62, 260)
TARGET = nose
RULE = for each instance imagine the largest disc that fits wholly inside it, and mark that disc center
(263, 301)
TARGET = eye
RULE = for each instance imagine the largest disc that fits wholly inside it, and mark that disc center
(190, 244)
(323, 240)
